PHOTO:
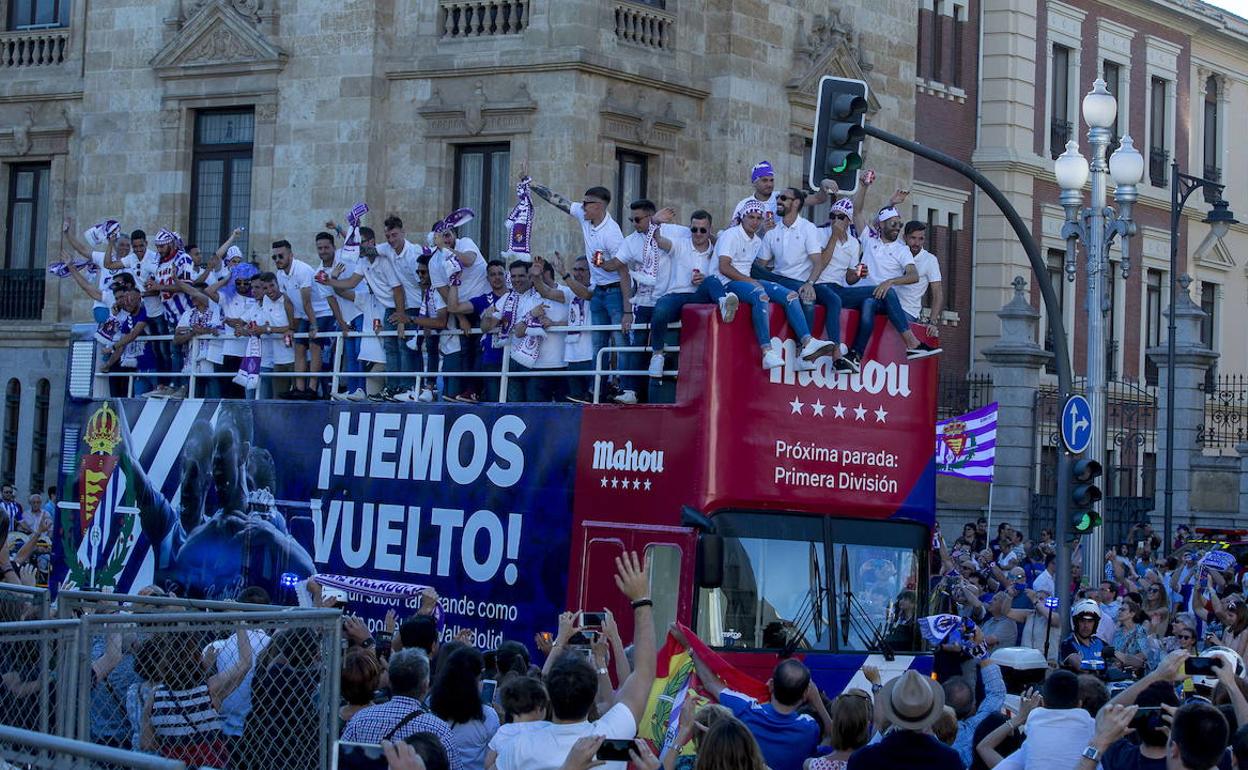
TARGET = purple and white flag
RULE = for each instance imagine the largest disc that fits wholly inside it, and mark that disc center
(98, 234)
(383, 590)
(61, 270)
(519, 223)
(936, 629)
(966, 446)
(356, 213)
(1218, 560)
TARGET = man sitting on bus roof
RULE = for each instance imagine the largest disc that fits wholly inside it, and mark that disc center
(785, 736)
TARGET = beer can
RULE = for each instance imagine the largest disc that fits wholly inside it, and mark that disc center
(862, 269)
(288, 340)
(376, 325)
(869, 176)
(598, 260)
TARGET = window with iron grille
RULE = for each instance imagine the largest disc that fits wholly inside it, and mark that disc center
(26, 253)
(1055, 261)
(12, 424)
(1152, 322)
(483, 184)
(1158, 155)
(1060, 127)
(221, 176)
(958, 25)
(1209, 326)
(39, 442)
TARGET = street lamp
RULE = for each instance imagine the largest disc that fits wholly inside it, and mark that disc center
(1096, 225)
(1219, 220)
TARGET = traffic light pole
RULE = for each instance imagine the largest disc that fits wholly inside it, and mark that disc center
(1061, 352)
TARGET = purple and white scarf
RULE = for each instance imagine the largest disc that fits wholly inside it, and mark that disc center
(99, 233)
(383, 590)
(249, 367)
(576, 316)
(519, 223)
(648, 275)
(61, 270)
(510, 303)
(528, 348)
(356, 213)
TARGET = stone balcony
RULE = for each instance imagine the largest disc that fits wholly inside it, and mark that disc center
(33, 48)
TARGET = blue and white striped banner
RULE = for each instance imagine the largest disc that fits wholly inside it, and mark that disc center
(966, 446)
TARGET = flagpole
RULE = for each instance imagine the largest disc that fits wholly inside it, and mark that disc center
(991, 484)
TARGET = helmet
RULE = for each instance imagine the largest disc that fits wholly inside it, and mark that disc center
(1228, 657)
(1085, 607)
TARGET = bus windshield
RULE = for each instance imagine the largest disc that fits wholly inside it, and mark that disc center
(804, 585)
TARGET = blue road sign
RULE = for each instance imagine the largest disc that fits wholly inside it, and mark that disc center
(1077, 424)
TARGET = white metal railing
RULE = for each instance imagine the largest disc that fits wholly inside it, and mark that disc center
(645, 26)
(337, 372)
(459, 19)
(33, 47)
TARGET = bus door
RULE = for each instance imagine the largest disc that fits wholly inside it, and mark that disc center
(671, 552)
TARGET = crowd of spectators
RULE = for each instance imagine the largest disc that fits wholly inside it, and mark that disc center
(434, 319)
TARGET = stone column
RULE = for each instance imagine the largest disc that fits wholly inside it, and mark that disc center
(1192, 357)
(1016, 364)
(1242, 450)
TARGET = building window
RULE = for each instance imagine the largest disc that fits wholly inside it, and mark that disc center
(1209, 325)
(1056, 266)
(938, 45)
(1111, 73)
(12, 424)
(1158, 156)
(221, 177)
(631, 180)
(957, 46)
(22, 276)
(1060, 127)
(38, 14)
(950, 273)
(1213, 165)
(1152, 322)
(39, 444)
(483, 184)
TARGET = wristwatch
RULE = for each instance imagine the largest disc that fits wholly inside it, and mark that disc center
(1092, 753)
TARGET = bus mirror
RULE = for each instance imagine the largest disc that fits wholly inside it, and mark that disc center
(711, 560)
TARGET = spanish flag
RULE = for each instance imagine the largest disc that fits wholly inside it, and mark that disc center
(675, 679)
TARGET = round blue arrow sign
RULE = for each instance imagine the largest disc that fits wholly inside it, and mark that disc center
(1076, 424)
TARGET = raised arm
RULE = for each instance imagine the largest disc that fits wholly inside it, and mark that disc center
(88, 288)
(633, 579)
(75, 243)
(220, 252)
(553, 198)
(222, 684)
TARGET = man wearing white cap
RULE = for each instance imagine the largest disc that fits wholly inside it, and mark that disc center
(885, 262)
(910, 704)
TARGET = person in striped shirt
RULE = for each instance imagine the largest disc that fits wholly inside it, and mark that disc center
(175, 265)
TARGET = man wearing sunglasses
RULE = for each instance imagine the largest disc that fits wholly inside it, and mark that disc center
(795, 248)
(613, 291)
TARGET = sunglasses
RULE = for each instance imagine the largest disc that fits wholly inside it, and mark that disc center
(785, 198)
(838, 216)
(277, 256)
(1185, 636)
(699, 230)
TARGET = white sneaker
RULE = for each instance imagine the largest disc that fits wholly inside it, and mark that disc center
(728, 307)
(772, 359)
(656, 365)
(426, 396)
(815, 348)
(626, 397)
(802, 365)
(406, 395)
(178, 392)
(356, 395)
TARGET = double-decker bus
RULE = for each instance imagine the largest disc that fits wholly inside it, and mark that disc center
(783, 512)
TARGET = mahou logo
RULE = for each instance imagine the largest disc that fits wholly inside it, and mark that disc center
(626, 458)
(875, 377)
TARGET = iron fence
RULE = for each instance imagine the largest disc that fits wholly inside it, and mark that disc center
(25, 602)
(959, 395)
(21, 294)
(1226, 407)
(37, 673)
(230, 690)
(30, 750)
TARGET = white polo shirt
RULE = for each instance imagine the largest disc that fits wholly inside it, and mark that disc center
(294, 282)
(605, 237)
(578, 345)
(404, 266)
(911, 294)
(273, 348)
(884, 260)
(844, 256)
(685, 258)
(553, 346)
(472, 280)
(381, 278)
(791, 247)
(106, 277)
(322, 292)
(633, 254)
(740, 250)
(148, 265)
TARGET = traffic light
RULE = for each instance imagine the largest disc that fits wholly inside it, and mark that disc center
(1084, 495)
(837, 150)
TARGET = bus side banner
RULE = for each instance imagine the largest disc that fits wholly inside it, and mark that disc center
(205, 498)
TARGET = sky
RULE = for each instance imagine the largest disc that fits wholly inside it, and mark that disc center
(1237, 7)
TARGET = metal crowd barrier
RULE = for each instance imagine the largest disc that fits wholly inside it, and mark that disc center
(19, 602)
(337, 372)
(74, 604)
(28, 750)
(283, 715)
(37, 669)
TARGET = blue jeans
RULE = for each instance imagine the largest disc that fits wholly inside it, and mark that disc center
(490, 386)
(754, 296)
(351, 355)
(410, 360)
(391, 345)
(827, 298)
(452, 362)
(535, 390)
(636, 383)
(668, 308)
(862, 298)
(580, 386)
(607, 307)
(792, 308)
